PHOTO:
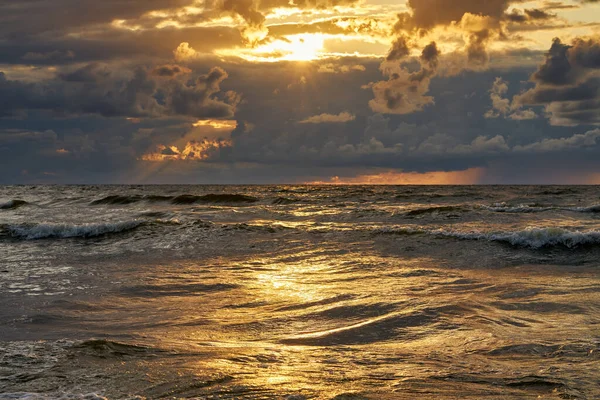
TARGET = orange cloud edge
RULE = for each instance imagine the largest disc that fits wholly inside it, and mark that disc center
(470, 176)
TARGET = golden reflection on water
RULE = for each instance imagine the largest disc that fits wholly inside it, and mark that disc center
(323, 320)
(322, 325)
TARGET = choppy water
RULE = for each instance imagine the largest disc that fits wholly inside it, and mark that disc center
(299, 292)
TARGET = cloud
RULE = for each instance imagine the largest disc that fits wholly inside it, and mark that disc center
(523, 115)
(406, 92)
(253, 11)
(400, 49)
(501, 105)
(579, 141)
(529, 15)
(427, 14)
(184, 52)
(331, 68)
(94, 89)
(329, 118)
(479, 22)
(170, 71)
(57, 15)
(468, 177)
(92, 72)
(568, 83)
(195, 150)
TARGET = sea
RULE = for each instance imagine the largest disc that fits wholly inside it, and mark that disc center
(299, 292)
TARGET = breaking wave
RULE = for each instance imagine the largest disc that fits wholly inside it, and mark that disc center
(181, 199)
(536, 208)
(12, 204)
(285, 201)
(535, 238)
(63, 231)
(433, 210)
(117, 200)
(214, 198)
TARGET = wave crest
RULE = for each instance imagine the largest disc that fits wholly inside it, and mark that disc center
(12, 204)
(537, 208)
(181, 199)
(63, 231)
(535, 238)
(284, 201)
(117, 200)
(434, 210)
(214, 198)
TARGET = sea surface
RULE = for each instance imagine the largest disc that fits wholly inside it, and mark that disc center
(299, 292)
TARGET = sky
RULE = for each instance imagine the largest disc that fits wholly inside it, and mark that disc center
(300, 91)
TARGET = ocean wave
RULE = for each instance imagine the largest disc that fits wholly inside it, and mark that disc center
(538, 237)
(117, 200)
(255, 228)
(590, 209)
(285, 201)
(516, 209)
(40, 396)
(536, 208)
(535, 238)
(63, 231)
(12, 204)
(179, 200)
(213, 198)
(433, 210)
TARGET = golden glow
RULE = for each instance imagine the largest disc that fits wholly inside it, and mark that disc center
(301, 47)
(193, 150)
(360, 29)
(467, 177)
(216, 124)
(184, 52)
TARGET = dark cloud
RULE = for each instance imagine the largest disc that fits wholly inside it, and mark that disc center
(170, 71)
(253, 11)
(270, 146)
(536, 13)
(197, 99)
(557, 69)
(399, 50)
(567, 83)
(430, 55)
(93, 72)
(477, 47)
(94, 89)
(405, 92)
(84, 99)
(64, 15)
(429, 13)
(529, 15)
(109, 44)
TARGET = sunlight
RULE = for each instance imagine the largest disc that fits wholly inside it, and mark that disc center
(301, 47)
(193, 150)
(467, 177)
(216, 124)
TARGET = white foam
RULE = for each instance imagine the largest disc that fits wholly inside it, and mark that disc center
(534, 237)
(543, 237)
(590, 209)
(43, 231)
(524, 208)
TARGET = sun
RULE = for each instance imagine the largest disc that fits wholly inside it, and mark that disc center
(303, 47)
(300, 47)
